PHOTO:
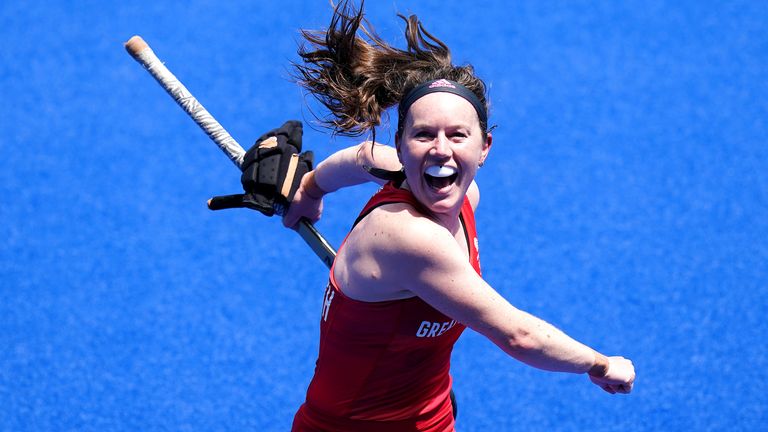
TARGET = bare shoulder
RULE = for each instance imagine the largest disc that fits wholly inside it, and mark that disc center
(387, 250)
(473, 195)
(405, 233)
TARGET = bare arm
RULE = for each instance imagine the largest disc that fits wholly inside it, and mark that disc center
(430, 264)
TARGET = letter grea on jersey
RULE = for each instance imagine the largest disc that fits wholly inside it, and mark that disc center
(429, 329)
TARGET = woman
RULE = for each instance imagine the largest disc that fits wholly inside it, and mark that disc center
(406, 281)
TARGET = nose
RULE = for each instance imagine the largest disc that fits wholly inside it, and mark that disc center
(442, 147)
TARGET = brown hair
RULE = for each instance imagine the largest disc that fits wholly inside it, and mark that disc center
(357, 75)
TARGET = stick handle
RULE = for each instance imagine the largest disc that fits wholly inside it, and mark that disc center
(317, 242)
(142, 53)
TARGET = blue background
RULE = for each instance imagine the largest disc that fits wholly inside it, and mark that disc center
(625, 201)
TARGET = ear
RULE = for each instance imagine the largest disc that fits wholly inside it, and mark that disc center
(486, 148)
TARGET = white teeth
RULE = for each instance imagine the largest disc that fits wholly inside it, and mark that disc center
(440, 171)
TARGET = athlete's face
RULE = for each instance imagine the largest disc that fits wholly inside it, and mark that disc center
(441, 147)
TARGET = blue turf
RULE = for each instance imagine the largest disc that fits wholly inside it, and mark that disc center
(625, 201)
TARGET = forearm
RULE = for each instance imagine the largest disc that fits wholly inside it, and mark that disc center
(542, 345)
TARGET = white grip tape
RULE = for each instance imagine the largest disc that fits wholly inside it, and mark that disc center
(189, 103)
(221, 137)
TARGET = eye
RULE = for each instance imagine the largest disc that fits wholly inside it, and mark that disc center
(459, 135)
(423, 135)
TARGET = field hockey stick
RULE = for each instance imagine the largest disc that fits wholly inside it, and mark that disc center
(142, 53)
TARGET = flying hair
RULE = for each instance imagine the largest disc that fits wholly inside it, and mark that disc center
(356, 75)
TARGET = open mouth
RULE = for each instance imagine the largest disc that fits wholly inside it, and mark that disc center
(439, 177)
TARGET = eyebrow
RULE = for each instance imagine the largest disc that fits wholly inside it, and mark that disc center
(453, 126)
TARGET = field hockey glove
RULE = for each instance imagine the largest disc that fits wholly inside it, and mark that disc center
(272, 172)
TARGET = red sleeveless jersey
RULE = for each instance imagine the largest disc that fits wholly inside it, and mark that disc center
(383, 366)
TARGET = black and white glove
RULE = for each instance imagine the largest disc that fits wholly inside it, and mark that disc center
(272, 172)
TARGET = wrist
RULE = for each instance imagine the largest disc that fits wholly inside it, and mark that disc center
(599, 368)
(309, 184)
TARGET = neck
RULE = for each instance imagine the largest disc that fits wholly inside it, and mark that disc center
(449, 219)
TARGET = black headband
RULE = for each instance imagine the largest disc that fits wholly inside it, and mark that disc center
(447, 86)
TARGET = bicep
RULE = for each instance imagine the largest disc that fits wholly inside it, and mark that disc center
(467, 298)
(374, 155)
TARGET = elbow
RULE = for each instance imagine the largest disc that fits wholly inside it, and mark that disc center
(363, 154)
(521, 342)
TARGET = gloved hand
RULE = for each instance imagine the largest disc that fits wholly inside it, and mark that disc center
(272, 172)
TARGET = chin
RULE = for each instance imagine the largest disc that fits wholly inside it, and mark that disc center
(446, 204)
